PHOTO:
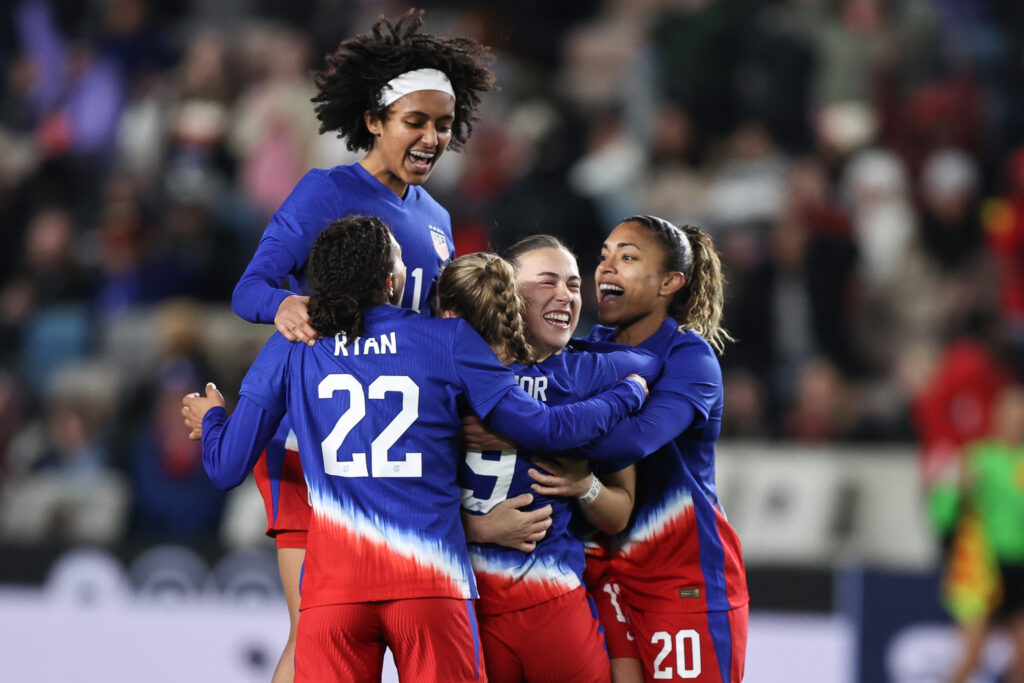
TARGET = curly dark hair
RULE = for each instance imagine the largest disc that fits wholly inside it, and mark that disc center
(347, 271)
(360, 67)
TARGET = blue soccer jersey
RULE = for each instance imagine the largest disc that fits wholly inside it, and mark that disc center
(420, 225)
(509, 579)
(679, 554)
(378, 425)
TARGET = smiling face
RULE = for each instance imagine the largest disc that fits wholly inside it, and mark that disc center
(410, 140)
(633, 287)
(549, 282)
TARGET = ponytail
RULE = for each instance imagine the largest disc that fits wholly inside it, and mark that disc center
(342, 315)
(699, 304)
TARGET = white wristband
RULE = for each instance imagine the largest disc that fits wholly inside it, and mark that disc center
(591, 495)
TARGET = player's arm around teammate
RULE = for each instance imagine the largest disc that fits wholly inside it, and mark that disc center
(231, 452)
(549, 279)
(403, 97)
(679, 564)
(531, 598)
(354, 281)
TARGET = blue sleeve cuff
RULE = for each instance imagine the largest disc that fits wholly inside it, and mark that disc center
(214, 417)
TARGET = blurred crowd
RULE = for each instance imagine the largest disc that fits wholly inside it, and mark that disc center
(858, 162)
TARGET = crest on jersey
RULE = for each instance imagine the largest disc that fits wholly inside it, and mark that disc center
(440, 242)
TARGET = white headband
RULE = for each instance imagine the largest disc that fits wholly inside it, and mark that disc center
(412, 81)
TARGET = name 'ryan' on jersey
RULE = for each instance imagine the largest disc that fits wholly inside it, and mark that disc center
(378, 424)
(420, 225)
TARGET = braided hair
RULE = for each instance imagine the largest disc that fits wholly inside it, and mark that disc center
(482, 289)
(358, 69)
(698, 304)
(347, 271)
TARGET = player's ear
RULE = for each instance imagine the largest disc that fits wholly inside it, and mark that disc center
(671, 283)
(373, 124)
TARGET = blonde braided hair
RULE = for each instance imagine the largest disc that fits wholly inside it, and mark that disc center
(482, 289)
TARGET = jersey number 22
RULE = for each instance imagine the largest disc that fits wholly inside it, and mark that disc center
(380, 465)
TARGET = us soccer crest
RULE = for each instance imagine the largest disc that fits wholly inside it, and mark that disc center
(440, 243)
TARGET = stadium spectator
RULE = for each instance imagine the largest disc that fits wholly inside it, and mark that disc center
(167, 468)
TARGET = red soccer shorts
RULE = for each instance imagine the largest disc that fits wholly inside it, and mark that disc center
(432, 639)
(707, 647)
(283, 487)
(611, 611)
(557, 641)
(614, 616)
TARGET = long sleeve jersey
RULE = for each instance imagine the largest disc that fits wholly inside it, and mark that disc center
(680, 554)
(377, 422)
(509, 579)
(420, 225)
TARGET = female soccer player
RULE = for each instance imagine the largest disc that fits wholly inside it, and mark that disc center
(532, 607)
(403, 97)
(375, 407)
(679, 563)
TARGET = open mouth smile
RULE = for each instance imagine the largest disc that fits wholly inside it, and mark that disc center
(608, 292)
(559, 319)
(421, 162)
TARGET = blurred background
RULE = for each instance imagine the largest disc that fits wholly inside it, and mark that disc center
(859, 164)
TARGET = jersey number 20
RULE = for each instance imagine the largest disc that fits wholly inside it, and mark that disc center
(380, 465)
(687, 642)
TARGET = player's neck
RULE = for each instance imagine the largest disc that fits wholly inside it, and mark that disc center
(541, 353)
(376, 167)
(640, 329)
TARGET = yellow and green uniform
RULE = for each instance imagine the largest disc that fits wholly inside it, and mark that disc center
(997, 472)
(990, 533)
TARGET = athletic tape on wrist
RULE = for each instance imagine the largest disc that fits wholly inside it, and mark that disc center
(589, 496)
